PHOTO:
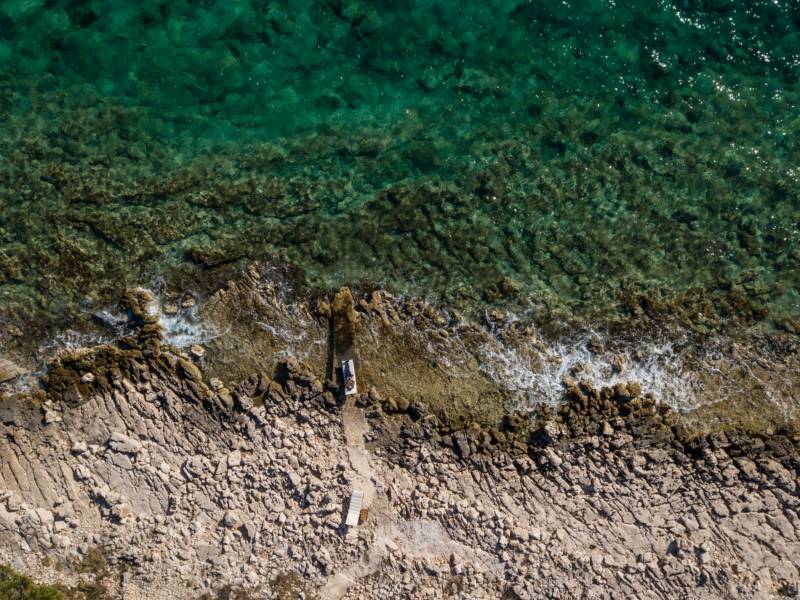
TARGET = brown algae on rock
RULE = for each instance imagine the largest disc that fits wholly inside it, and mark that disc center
(418, 354)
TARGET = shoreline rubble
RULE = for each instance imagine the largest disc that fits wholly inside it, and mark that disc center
(192, 486)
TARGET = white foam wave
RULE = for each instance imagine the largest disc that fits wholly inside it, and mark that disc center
(296, 340)
(185, 328)
(286, 334)
(535, 373)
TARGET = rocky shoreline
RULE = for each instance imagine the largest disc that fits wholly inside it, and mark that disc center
(187, 485)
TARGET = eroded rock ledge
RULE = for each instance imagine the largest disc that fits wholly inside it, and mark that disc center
(187, 486)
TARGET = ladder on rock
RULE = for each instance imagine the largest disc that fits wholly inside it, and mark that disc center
(354, 511)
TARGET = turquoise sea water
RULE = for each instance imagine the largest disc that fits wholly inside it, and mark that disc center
(571, 154)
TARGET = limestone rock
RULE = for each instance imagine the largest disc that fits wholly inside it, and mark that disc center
(80, 447)
(234, 459)
(51, 416)
(231, 519)
(9, 370)
(120, 442)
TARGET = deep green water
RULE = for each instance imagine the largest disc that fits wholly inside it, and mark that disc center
(571, 154)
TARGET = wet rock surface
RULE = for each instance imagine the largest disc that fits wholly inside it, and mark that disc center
(191, 485)
(9, 371)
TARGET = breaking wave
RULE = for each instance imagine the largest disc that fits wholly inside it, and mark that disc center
(536, 373)
(185, 328)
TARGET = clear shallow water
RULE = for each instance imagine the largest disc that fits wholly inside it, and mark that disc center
(581, 155)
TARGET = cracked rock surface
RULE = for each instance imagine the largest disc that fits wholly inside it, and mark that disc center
(192, 486)
(194, 495)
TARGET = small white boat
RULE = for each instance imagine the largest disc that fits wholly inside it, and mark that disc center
(354, 510)
(349, 376)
